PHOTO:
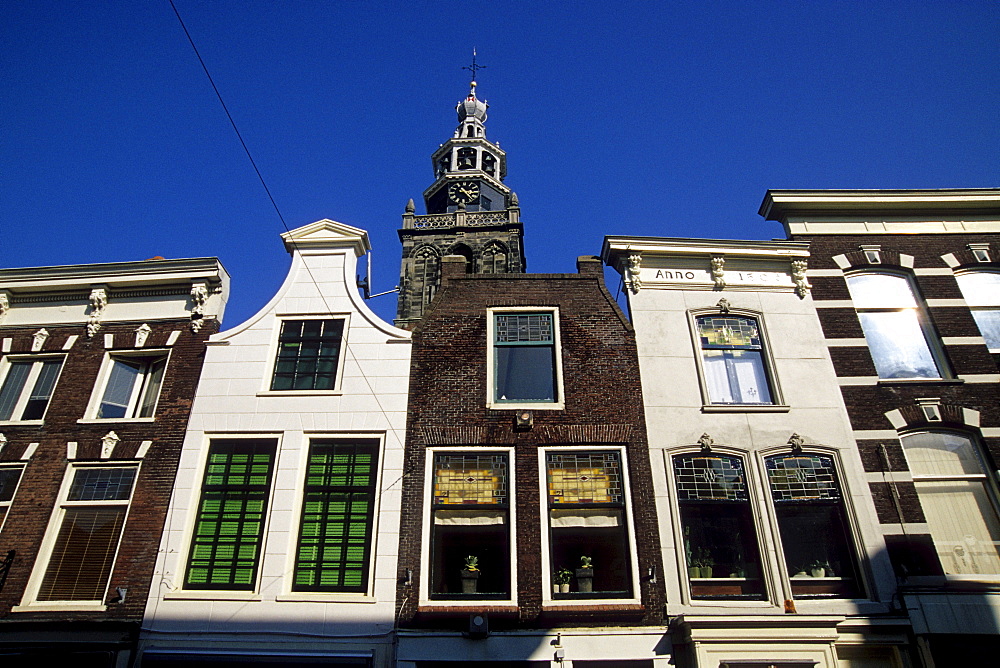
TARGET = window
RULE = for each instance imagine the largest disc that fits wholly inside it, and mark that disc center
(467, 157)
(308, 355)
(132, 387)
(525, 360)
(338, 512)
(90, 527)
(9, 477)
(893, 325)
(425, 280)
(489, 164)
(814, 530)
(494, 259)
(733, 360)
(470, 526)
(588, 534)
(27, 387)
(229, 528)
(981, 290)
(958, 500)
(720, 543)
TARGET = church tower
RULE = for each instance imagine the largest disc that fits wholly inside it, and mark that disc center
(470, 212)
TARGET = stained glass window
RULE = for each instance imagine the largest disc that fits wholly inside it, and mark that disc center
(470, 479)
(733, 361)
(525, 358)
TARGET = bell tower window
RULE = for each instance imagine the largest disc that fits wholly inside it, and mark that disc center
(466, 158)
(489, 164)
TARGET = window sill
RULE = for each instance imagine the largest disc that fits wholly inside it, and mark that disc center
(925, 381)
(622, 604)
(211, 595)
(444, 606)
(22, 423)
(61, 606)
(300, 393)
(745, 408)
(113, 420)
(528, 406)
(331, 597)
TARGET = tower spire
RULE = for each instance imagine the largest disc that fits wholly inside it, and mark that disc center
(474, 67)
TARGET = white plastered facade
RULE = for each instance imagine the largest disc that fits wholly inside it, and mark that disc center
(234, 400)
(669, 282)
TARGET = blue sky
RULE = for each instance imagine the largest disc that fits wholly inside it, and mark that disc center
(646, 118)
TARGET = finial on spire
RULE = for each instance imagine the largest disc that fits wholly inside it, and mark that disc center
(473, 68)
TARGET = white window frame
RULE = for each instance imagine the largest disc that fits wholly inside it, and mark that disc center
(994, 307)
(5, 505)
(930, 335)
(29, 383)
(288, 593)
(30, 602)
(777, 404)
(428, 517)
(279, 320)
(138, 389)
(857, 544)
(547, 566)
(491, 402)
(987, 478)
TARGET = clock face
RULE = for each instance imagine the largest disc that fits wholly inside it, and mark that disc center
(463, 191)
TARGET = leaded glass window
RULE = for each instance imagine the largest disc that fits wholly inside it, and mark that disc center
(470, 517)
(338, 511)
(733, 360)
(524, 358)
(229, 528)
(588, 531)
(308, 355)
(720, 542)
(85, 546)
(815, 534)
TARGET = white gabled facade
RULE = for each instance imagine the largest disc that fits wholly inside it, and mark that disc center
(726, 413)
(260, 606)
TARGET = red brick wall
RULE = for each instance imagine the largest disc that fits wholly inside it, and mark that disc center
(603, 407)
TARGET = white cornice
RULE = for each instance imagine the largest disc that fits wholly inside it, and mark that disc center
(781, 204)
(615, 246)
(113, 274)
(327, 234)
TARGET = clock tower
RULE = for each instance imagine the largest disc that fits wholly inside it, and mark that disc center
(470, 212)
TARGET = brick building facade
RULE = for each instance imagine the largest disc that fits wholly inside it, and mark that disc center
(904, 284)
(98, 370)
(526, 450)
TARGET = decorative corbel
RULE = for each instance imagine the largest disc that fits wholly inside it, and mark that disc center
(802, 286)
(4, 304)
(719, 272)
(108, 444)
(142, 333)
(706, 442)
(723, 305)
(199, 295)
(796, 442)
(38, 340)
(632, 271)
(98, 302)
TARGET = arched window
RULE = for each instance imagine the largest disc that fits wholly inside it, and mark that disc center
(720, 542)
(815, 534)
(959, 500)
(489, 164)
(981, 290)
(466, 158)
(425, 279)
(493, 259)
(895, 326)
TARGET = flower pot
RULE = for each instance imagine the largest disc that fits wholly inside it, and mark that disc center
(585, 580)
(706, 571)
(564, 588)
(469, 581)
(555, 588)
(694, 572)
(817, 572)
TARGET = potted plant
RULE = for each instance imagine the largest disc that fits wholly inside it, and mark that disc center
(798, 571)
(560, 580)
(817, 569)
(470, 574)
(585, 575)
(705, 563)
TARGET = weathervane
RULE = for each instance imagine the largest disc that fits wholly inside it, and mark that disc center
(474, 67)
